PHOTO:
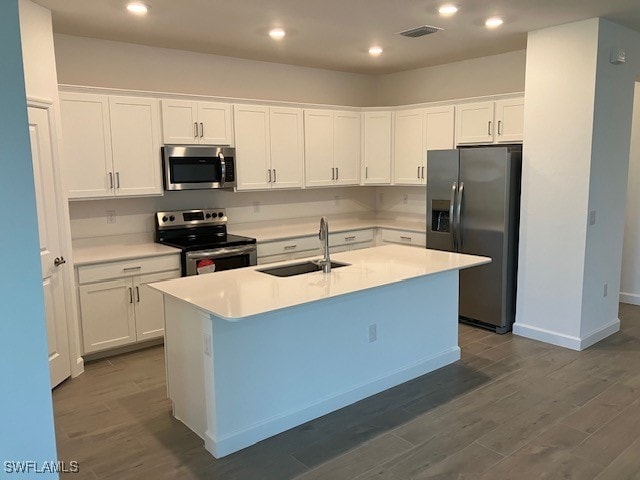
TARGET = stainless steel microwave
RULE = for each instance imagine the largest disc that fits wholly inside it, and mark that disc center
(198, 167)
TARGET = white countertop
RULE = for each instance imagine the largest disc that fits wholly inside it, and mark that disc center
(283, 229)
(122, 247)
(244, 292)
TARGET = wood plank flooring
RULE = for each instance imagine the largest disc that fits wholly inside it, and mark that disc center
(511, 408)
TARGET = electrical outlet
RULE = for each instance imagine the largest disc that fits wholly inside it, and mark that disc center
(373, 332)
(605, 290)
(405, 199)
(592, 217)
(111, 217)
(206, 338)
(256, 207)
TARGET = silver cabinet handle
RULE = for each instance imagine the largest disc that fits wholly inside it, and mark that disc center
(269, 172)
(407, 239)
(499, 127)
(275, 176)
(59, 261)
(117, 179)
(333, 174)
(489, 128)
(348, 239)
(337, 173)
(201, 130)
(131, 269)
(418, 176)
(223, 169)
(290, 247)
(195, 129)
(459, 207)
(137, 294)
(452, 223)
(366, 172)
(423, 173)
(110, 181)
(130, 295)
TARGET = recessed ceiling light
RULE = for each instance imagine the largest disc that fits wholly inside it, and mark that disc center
(277, 33)
(493, 22)
(375, 51)
(448, 9)
(138, 8)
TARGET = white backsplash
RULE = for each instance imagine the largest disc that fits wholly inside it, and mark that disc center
(402, 202)
(135, 215)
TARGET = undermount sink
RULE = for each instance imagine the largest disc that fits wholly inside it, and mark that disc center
(298, 268)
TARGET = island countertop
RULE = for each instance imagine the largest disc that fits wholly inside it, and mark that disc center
(240, 293)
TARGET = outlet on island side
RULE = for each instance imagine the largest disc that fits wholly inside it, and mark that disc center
(605, 290)
(373, 332)
(405, 199)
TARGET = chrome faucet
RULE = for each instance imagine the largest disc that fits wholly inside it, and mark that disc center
(323, 235)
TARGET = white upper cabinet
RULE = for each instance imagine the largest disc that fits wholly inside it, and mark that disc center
(490, 122)
(111, 145)
(87, 160)
(439, 132)
(409, 147)
(377, 148)
(269, 150)
(192, 123)
(332, 145)
(509, 120)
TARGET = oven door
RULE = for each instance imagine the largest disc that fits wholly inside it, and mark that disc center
(219, 259)
(198, 167)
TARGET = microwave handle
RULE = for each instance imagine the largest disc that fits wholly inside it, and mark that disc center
(223, 169)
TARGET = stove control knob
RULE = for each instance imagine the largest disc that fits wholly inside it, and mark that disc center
(164, 219)
(208, 215)
(220, 214)
(172, 218)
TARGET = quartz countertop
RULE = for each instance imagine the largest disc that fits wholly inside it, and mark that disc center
(114, 248)
(245, 292)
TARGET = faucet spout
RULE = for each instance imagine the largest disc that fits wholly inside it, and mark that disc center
(323, 235)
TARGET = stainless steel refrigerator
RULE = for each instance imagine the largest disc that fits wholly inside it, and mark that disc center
(473, 206)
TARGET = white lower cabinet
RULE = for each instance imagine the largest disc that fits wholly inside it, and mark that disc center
(122, 311)
(351, 240)
(403, 237)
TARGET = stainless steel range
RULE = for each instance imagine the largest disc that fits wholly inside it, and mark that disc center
(202, 236)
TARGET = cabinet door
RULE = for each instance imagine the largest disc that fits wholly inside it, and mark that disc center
(377, 148)
(107, 315)
(253, 159)
(180, 122)
(87, 160)
(409, 147)
(287, 147)
(347, 147)
(215, 123)
(149, 306)
(439, 131)
(509, 120)
(318, 148)
(135, 140)
(474, 123)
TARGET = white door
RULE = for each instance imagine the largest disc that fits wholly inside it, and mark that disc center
(318, 148)
(474, 123)
(149, 305)
(215, 123)
(510, 120)
(87, 145)
(377, 148)
(409, 147)
(180, 122)
(253, 161)
(287, 147)
(135, 140)
(439, 130)
(347, 147)
(52, 283)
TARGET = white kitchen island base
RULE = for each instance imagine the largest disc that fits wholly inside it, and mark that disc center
(235, 383)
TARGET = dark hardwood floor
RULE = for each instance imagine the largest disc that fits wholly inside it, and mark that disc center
(511, 408)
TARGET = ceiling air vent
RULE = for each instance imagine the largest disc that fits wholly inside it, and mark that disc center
(419, 31)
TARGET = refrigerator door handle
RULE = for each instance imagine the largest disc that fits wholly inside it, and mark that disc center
(452, 223)
(458, 214)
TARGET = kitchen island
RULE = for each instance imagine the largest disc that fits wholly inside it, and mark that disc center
(250, 355)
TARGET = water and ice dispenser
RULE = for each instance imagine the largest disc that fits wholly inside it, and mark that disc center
(440, 221)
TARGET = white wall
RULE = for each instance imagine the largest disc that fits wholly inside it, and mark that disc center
(26, 413)
(491, 75)
(630, 281)
(402, 202)
(103, 63)
(88, 218)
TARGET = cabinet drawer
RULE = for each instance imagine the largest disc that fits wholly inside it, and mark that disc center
(291, 245)
(354, 236)
(127, 268)
(403, 237)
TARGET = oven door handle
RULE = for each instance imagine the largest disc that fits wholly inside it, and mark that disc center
(220, 252)
(223, 169)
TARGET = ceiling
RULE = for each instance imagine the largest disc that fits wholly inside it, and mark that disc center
(331, 34)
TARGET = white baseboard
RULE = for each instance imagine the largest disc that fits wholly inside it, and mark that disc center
(567, 341)
(630, 298)
(219, 447)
